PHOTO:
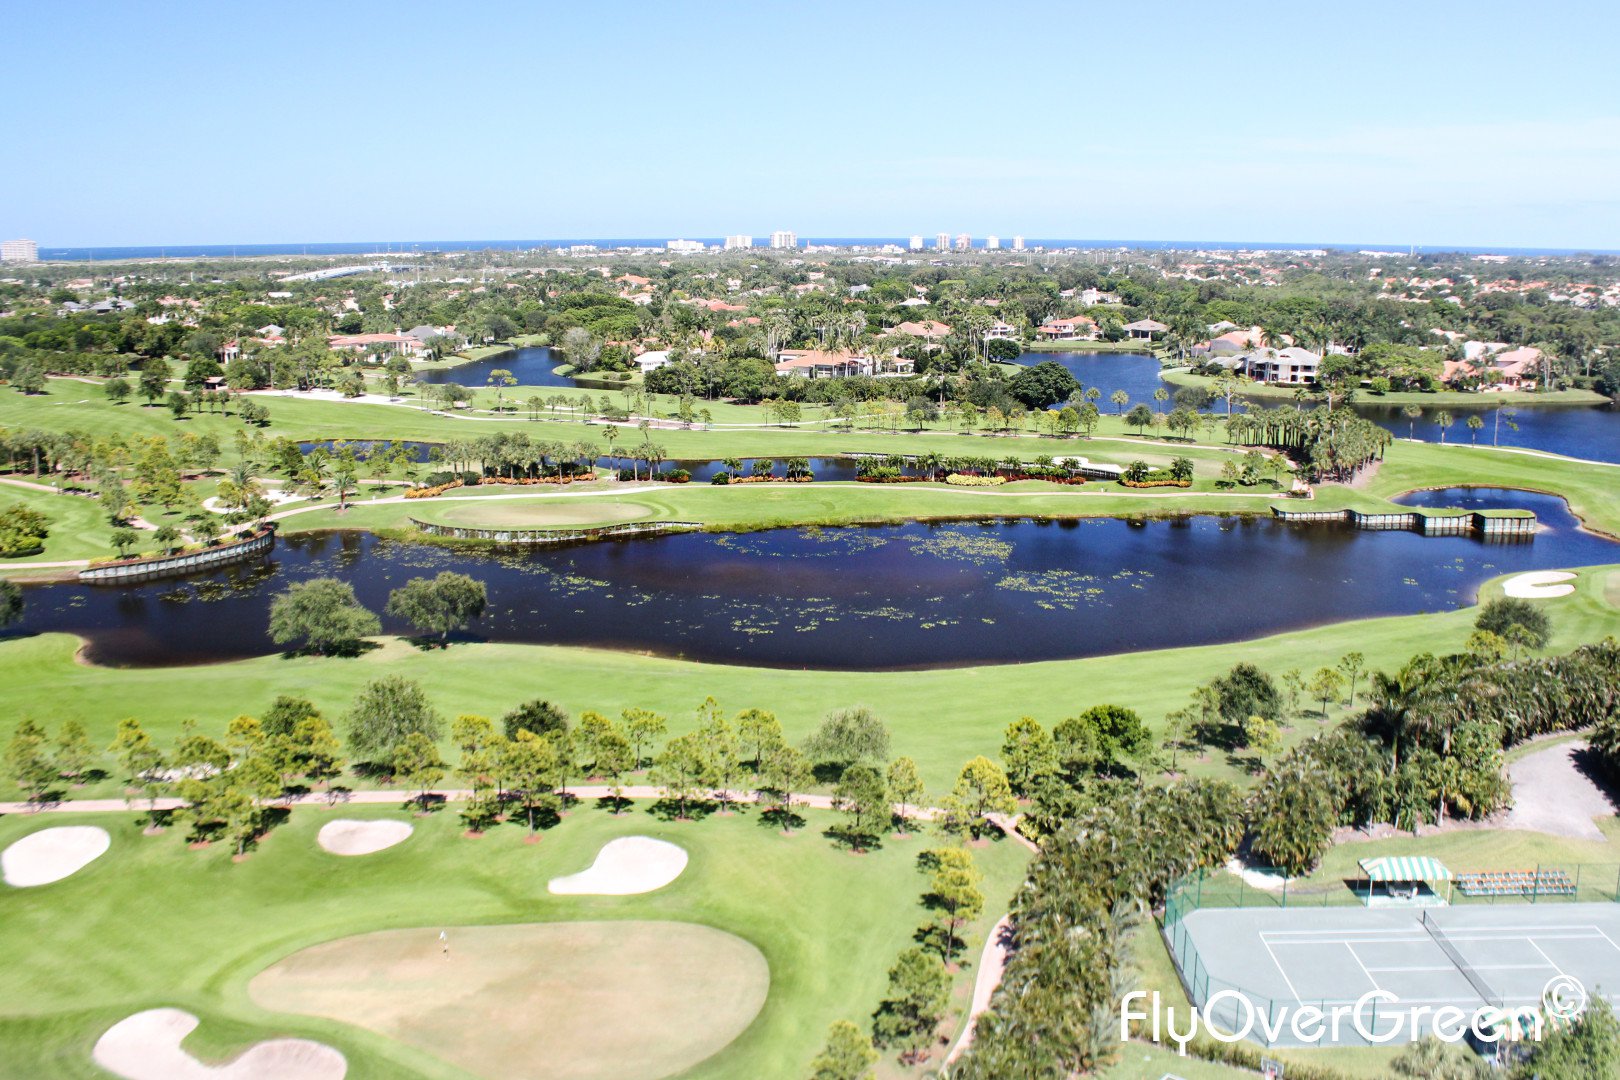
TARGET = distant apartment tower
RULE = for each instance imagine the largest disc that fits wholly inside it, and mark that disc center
(685, 247)
(737, 243)
(1018, 243)
(992, 243)
(784, 239)
(963, 242)
(916, 243)
(942, 241)
(19, 251)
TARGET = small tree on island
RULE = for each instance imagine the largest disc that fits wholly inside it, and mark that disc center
(439, 605)
(324, 613)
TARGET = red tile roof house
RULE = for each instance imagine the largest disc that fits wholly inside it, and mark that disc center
(815, 364)
(1074, 328)
(1234, 342)
(1510, 369)
(928, 331)
(375, 343)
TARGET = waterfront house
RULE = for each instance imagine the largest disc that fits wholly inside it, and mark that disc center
(1292, 366)
(1145, 329)
(1074, 328)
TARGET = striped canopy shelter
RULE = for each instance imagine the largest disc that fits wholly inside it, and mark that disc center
(1405, 868)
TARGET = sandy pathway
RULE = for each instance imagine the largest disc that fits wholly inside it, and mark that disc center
(1552, 793)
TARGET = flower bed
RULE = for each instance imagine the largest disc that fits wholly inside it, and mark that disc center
(429, 492)
(870, 479)
(960, 480)
(530, 481)
(1156, 483)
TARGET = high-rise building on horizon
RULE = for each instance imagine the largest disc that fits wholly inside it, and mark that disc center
(19, 251)
(992, 243)
(737, 243)
(942, 241)
(964, 242)
(916, 243)
(784, 239)
(1018, 243)
(685, 247)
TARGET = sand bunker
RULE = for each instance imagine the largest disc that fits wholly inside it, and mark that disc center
(1539, 583)
(52, 854)
(146, 1046)
(631, 864)
(348, 837)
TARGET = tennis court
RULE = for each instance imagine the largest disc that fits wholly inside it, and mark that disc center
(1468, 958)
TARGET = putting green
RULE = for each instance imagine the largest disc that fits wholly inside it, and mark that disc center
(538, 513)
(561, 1001)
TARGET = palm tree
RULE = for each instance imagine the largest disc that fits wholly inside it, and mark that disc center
(1413, 414)
(1161, 395)
(1120, 399)
(1443, 419)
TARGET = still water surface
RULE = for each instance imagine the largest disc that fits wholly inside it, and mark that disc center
(856, 598)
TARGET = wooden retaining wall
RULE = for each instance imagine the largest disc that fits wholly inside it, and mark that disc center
(133, 571)
(1472, 524)
(557, 536)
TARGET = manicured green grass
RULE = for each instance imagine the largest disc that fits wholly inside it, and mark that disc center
(152, 923)
(78, 528)
(941, 717)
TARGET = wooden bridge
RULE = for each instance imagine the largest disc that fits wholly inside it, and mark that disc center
(557, 536)
(1475, 523)
(131, 571)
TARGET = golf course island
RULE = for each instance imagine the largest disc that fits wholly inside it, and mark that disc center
(533, 665)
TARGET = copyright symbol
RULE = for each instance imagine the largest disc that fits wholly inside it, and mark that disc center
(1564, 997)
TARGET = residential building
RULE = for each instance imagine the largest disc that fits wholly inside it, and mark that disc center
(999, 329)
(1145, 329)
(652, 361)
(1074, 328)
(816, 364)
(784, 239)
(375, 344)
(739, 243)
(963, 241)
(928, 331)
(916, 243)
(685, 247)
(992, 243)
(1233, 342)
(942, 241)
(19, 251)
(1292, 366)
(1018, 243)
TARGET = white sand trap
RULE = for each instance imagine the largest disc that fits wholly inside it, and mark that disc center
(1257, 879)
(348, 837)
(146, 1046)
(52, 854)
(1539, 583)
(630, 864)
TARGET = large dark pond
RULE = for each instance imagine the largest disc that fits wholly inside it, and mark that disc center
(866, 598)
(529, 366)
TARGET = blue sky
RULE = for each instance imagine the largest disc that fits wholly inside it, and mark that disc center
(1421, 122)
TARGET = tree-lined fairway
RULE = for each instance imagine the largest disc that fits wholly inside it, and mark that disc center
(152, 923)
(939, 717)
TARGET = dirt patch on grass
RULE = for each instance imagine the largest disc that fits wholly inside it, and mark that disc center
(547, 1001)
